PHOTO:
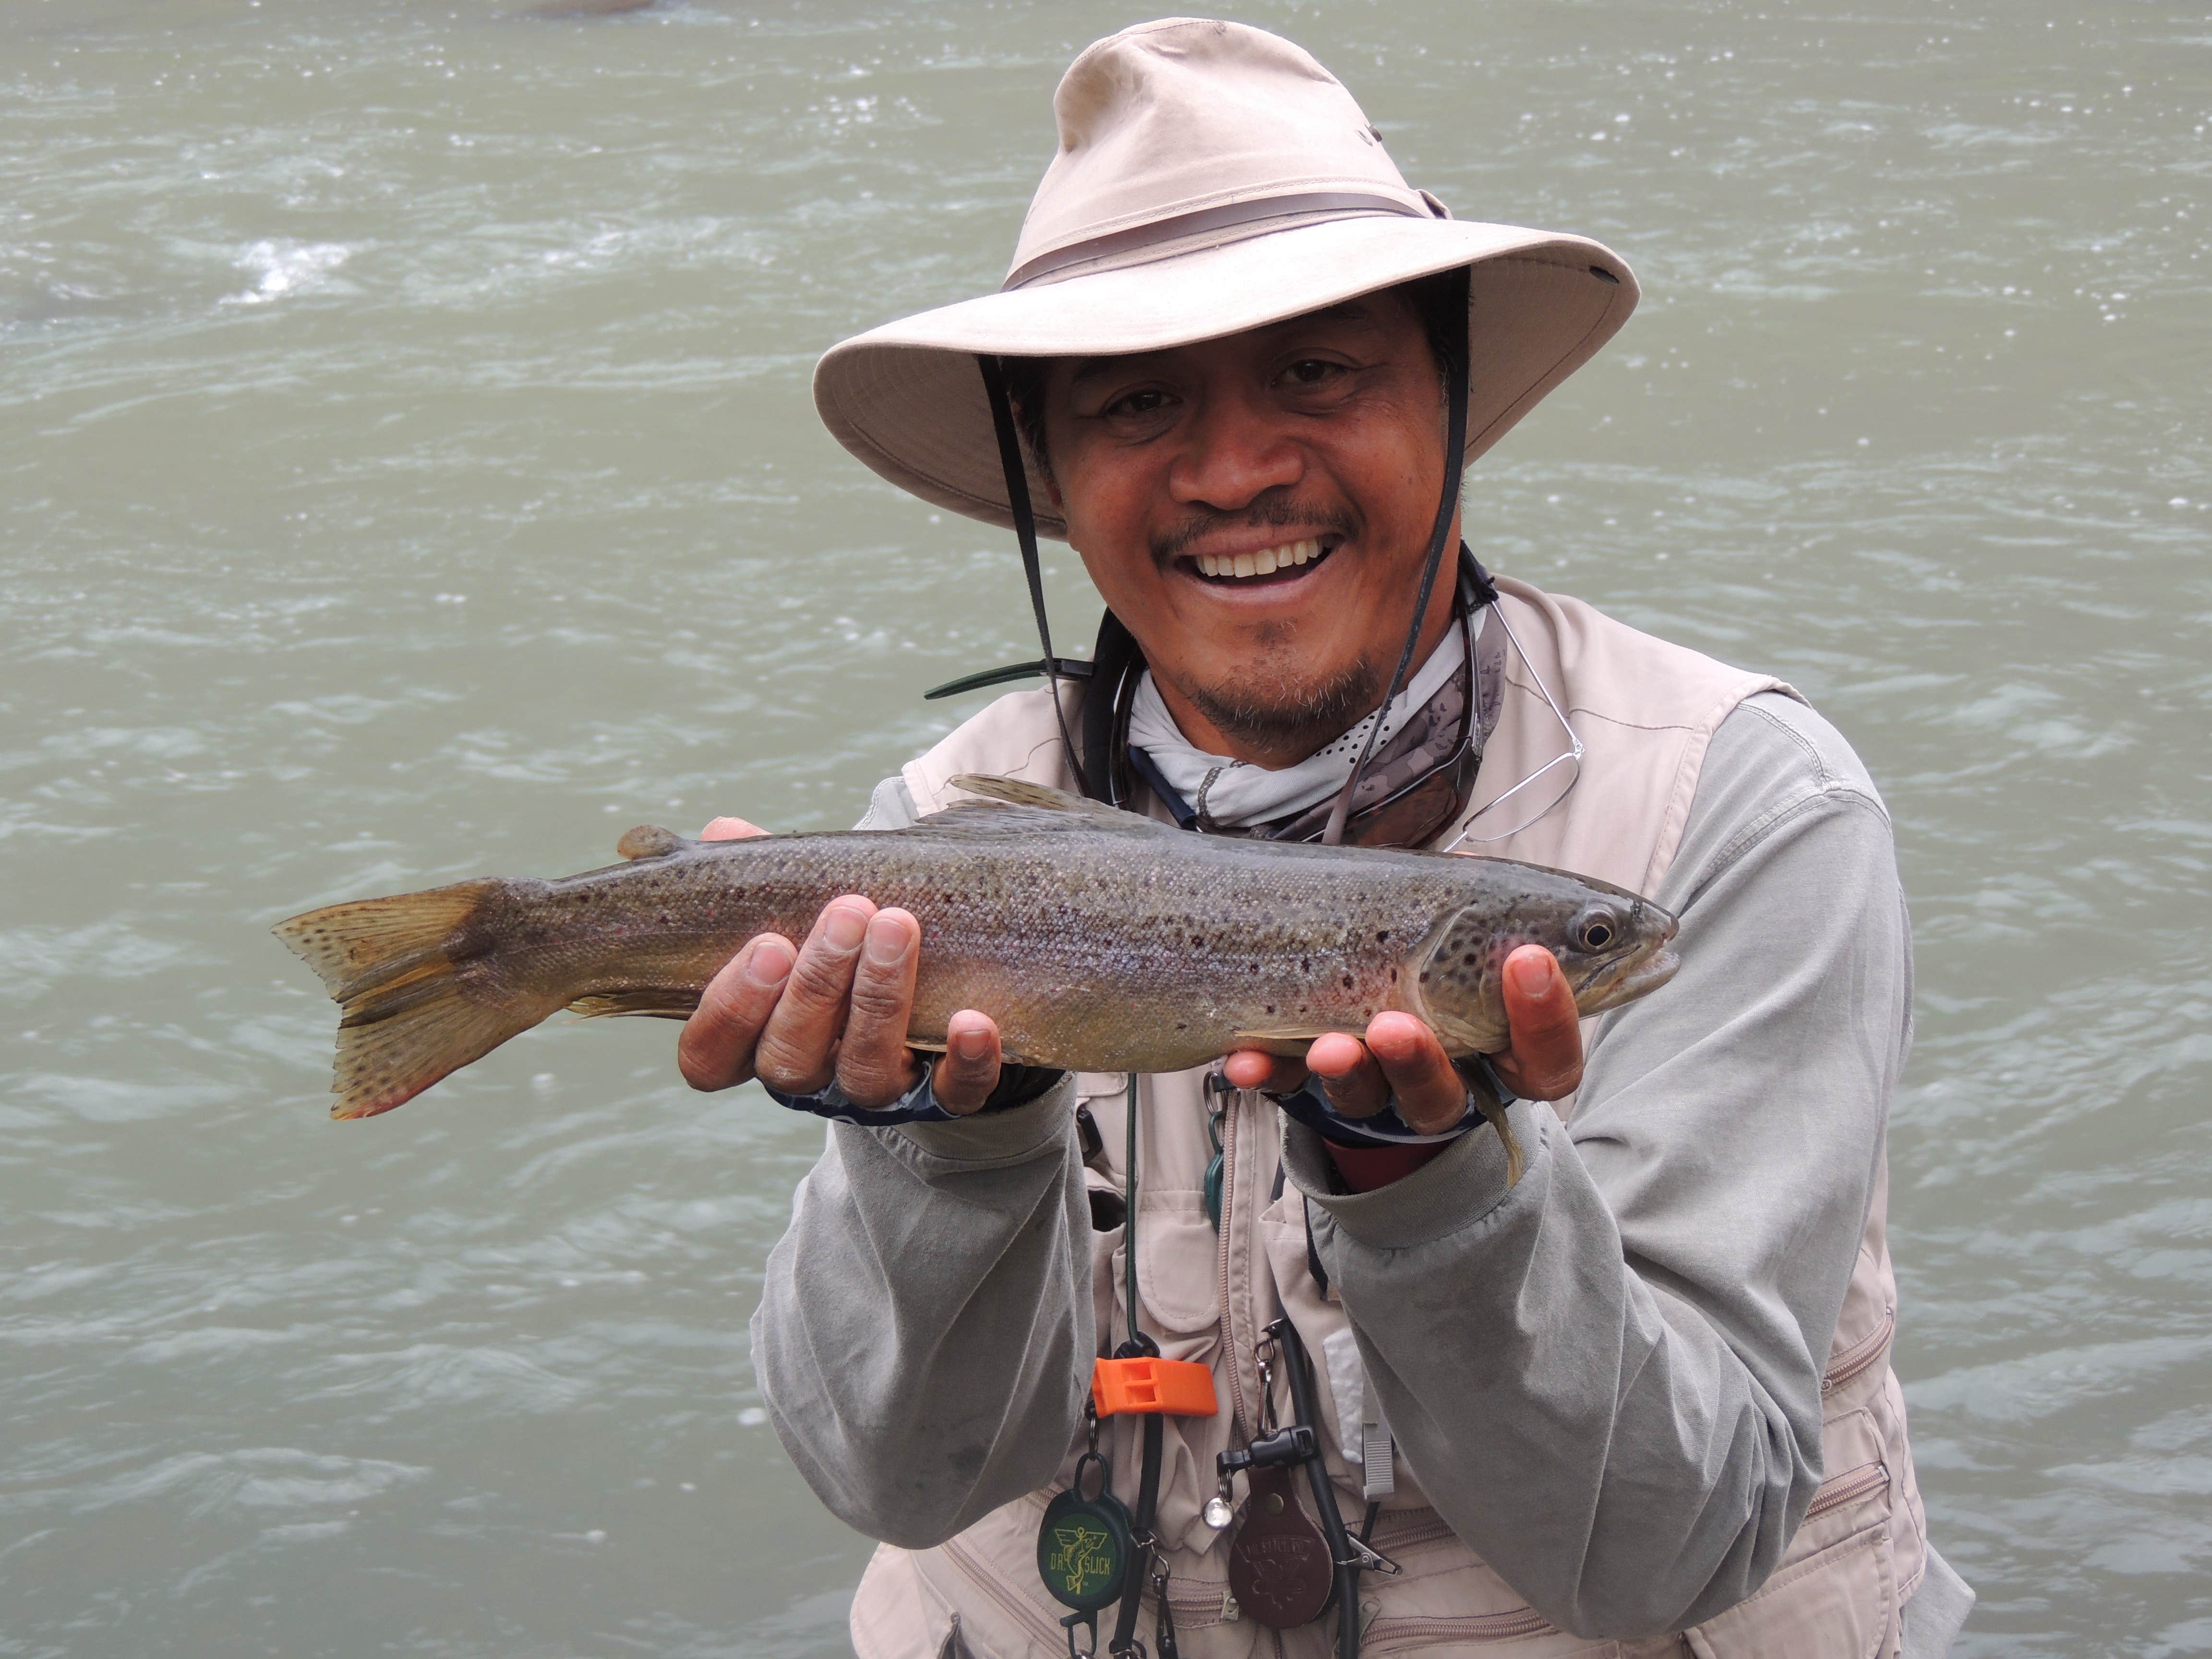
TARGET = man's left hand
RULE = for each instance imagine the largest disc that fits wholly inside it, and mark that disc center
(1402, 1059)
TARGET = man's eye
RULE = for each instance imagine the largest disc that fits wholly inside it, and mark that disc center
(1311, 371)
(1149, 401)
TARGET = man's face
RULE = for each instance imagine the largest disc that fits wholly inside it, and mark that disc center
(1314, 446)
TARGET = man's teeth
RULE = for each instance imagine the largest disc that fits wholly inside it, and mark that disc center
(1266, 562)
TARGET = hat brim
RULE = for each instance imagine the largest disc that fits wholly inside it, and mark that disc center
(908, 399)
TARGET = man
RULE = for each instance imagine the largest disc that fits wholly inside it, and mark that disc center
(1641, 1391)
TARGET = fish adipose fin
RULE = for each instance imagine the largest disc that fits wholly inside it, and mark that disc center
(1010, 806)
(650, 1001)
(407, 1020)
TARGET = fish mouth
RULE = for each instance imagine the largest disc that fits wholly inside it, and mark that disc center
(1623, 981)
(1633, 974)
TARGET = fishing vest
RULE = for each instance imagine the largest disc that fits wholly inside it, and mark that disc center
(1646, 712)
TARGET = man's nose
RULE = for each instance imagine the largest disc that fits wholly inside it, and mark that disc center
(1234, 452)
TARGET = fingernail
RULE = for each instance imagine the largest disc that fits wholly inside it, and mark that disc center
(1532, 974)
(769, 963)
(886, 942)
(844, 927)
(970, 1044)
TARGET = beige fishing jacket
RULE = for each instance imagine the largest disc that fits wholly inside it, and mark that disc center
(1806, 1504)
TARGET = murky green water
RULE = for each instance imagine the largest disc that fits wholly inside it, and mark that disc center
(410, 472)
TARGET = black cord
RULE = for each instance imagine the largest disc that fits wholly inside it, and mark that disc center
(1139, 1346)
(1447, 503)
(1300, 1366)
(1017, 498)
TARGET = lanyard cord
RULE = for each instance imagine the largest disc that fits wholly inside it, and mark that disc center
(1139, 1346)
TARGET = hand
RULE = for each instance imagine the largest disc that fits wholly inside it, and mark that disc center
(1402, 1058)
(836, 1006)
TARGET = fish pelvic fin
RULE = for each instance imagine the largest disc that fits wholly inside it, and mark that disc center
(645, 1001)
(407, 1017)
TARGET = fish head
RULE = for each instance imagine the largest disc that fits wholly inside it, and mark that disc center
(1611, 944)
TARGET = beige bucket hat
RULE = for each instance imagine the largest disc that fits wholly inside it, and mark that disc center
(1211, 178)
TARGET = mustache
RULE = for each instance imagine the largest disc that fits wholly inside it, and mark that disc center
(1271, 509)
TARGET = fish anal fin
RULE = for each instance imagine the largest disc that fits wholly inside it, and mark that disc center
(645, 1001)
(649, 841)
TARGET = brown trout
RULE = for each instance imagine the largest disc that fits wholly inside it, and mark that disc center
(1098, 940)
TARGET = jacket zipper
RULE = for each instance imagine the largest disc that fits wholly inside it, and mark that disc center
(1847, 1366)
(1019, 1608)
(1848, 1487)
(1230, 1113)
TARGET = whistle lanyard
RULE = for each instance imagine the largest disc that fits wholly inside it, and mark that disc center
(1095, 1551)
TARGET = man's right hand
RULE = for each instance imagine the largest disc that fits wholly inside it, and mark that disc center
(835, 1007)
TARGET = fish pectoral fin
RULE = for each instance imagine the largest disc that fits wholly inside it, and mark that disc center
(646, 1001)
(650, 840)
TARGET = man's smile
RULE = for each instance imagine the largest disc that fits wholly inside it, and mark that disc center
(1283, 564)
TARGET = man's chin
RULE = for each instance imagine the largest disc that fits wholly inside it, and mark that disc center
(1279, 706)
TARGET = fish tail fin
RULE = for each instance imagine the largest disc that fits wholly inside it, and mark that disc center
(407, 1020)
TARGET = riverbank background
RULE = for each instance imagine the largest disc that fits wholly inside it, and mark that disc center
(411, 473)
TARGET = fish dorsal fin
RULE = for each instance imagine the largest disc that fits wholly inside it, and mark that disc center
(649, 841)
(1010, 806)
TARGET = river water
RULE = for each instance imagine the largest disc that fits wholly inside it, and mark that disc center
(411, 473)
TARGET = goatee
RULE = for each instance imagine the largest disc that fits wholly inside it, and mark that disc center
(1286, 721)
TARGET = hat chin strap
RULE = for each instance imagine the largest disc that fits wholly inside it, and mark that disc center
(1017, 498)
(1454, 466)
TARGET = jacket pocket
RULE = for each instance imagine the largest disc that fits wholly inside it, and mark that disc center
(1840, 1603)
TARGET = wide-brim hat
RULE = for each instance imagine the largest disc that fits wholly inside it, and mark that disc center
(1211, 178)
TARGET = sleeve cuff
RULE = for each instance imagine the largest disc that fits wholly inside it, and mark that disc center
(1457, 1188)
(996, 1137)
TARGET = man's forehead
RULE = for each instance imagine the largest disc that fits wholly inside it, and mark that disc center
(1363, 311)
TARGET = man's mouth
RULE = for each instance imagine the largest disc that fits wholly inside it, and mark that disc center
(1282, 563)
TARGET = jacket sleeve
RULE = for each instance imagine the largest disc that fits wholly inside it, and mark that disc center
(924, 1337)
(1607, 1379)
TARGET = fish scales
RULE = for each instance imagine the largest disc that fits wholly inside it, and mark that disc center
(1098, 940)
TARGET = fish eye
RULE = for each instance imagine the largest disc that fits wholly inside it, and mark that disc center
(1596, 928)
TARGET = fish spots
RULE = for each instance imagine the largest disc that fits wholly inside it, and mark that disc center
(1382, 937)
(1347, 981)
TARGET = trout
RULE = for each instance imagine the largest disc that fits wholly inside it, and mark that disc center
(1099, 941)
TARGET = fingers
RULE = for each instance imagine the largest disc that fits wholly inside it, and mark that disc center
(1545, 1062)
(716, 1048)
(1256, 1068)
(1430, 1095)
(731, 829)
(1349, 1076)
(969, 1069)
(798, 1047)
(874, 1066)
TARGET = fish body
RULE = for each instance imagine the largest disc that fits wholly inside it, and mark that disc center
(1098, 940)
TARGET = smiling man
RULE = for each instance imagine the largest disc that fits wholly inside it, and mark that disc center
(1637, 1391)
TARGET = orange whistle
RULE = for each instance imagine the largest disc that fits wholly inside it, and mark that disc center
(1169, 1387)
